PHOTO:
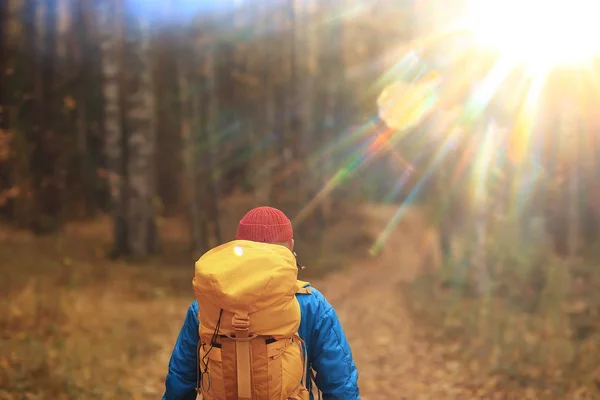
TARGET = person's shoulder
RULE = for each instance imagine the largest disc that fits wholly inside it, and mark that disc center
(192, 313)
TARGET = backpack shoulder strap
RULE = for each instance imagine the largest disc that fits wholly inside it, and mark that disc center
(303, 287)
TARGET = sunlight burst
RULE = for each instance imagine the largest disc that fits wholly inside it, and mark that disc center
(541, 33)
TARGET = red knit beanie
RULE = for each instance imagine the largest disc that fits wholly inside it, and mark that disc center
(265, 224)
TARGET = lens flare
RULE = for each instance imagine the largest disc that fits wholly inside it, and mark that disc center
(403, 105)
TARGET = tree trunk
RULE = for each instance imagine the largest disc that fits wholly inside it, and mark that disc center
(19, 113)
(311, 110)
(294, 104)
(570, 131)
(331, 63)
(42, 45)
(198, 158)
(80, 42)
(4, 11)
(308, 98)
(141, 137)
(112, 52)
(267, 160)
(170, 165)
(5, 135)
(211, 141)
(278, 69)
(287, 178)
(190, 152)
(62, 22)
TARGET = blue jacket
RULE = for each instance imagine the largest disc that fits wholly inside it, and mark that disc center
(327, 348)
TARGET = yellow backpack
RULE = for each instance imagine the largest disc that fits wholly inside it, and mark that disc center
(249, 316)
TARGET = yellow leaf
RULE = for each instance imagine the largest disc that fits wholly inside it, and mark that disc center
(69, 103)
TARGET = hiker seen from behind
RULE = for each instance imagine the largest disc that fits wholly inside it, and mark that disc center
(256, 332)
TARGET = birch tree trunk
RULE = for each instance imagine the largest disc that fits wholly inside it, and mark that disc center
(63, 21)
(111, 38)
(141, 136)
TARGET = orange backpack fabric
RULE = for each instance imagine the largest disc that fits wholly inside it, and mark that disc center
(249, 316)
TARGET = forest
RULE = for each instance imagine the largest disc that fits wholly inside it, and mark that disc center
(439, 191)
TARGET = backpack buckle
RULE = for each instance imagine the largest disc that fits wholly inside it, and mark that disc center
(240, 323)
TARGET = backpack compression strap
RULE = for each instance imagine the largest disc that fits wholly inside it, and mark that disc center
(302, 386)
(243, 356)
(243, 350)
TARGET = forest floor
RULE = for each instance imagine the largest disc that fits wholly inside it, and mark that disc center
(75, 326)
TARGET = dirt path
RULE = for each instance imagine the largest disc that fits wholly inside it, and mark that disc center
(392, 363)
